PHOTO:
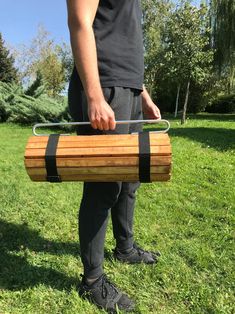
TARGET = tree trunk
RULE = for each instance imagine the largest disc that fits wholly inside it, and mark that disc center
(185, 104)
(151, 86)
(150, 91)
(177, 101)
(231, 78)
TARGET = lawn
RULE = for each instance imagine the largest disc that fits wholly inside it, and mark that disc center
(190, 220)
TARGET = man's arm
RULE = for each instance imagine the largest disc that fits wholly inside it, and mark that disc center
(148, 106)
(81, 14)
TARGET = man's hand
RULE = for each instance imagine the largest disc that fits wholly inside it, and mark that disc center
(101, 115)
(148, 106)
(151, 110)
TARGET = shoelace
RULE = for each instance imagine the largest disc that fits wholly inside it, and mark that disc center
(141, 251)
(108, 286)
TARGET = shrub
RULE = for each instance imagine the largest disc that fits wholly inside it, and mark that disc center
(16, 106)
(222, 104)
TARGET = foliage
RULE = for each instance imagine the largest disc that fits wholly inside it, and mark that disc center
(223, 104)
(190, 220)
(16, 106)
(155, 17)
(177, 52)
(37, 88)
(186, 44)
(43, 55)
(223, 39)
(52, 71)
(65, 54)
(8, 72)
(187, 58)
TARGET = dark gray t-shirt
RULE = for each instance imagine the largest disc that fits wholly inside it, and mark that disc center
(119, 41)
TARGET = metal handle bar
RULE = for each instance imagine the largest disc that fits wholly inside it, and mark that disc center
(41, 125)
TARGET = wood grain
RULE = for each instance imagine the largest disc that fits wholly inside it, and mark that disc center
(69, 162)
(104, 178)
(99, 170)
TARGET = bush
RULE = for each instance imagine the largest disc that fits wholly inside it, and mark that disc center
(16, 106)
(222, 104)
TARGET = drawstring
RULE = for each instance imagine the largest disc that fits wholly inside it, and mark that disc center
(104, 288)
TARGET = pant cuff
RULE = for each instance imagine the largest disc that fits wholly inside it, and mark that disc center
(125, 244)
(93, 273)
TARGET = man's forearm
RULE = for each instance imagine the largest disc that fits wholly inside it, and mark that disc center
(85, 56)
(81, 14)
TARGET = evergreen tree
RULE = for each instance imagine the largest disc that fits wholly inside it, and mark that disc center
(37, 88)
(8, 73)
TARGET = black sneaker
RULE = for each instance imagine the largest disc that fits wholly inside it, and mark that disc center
(105, 295)
(136, 255)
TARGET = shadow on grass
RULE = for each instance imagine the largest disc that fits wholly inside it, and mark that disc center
(203, 116)
(16, 272)
(218, 138)
(212, 116)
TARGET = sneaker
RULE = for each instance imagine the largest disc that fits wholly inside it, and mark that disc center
(105, 295)
(136, 255)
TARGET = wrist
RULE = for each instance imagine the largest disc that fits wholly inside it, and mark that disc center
(94, 99)
(145, 96)
(146, 102)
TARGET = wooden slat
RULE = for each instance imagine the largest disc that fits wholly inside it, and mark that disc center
(99, 170)
(97, 161)
(82, 144)
(97, 138)
(106, 178)
(98, 151)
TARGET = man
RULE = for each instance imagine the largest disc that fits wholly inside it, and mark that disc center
(107, 85)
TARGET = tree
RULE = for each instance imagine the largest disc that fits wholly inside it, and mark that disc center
(155, 15)
(187, 56)
(37, 88)
(66, 57)
(8, 72)
(42, 55)
(223, 38)
(53, 73)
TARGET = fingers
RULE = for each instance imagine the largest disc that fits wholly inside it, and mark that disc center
(151, 110)
(157, 113)
(102, 117)
(112, 124)
(105, 124)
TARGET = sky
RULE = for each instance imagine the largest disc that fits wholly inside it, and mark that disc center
(19, 20)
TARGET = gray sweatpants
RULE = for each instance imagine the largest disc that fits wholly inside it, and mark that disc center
(99, 197)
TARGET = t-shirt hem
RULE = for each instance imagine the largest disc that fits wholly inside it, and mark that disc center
(121, 84)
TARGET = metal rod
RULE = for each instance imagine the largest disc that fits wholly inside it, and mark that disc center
(42, 125)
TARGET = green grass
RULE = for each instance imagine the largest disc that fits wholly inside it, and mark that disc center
(190, 220)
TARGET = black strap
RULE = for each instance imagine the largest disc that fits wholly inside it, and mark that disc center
(50, 158)
(144, 157)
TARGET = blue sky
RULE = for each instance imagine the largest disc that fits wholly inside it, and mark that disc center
(19, 19)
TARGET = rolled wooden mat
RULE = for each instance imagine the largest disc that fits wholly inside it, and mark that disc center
(99, 158)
